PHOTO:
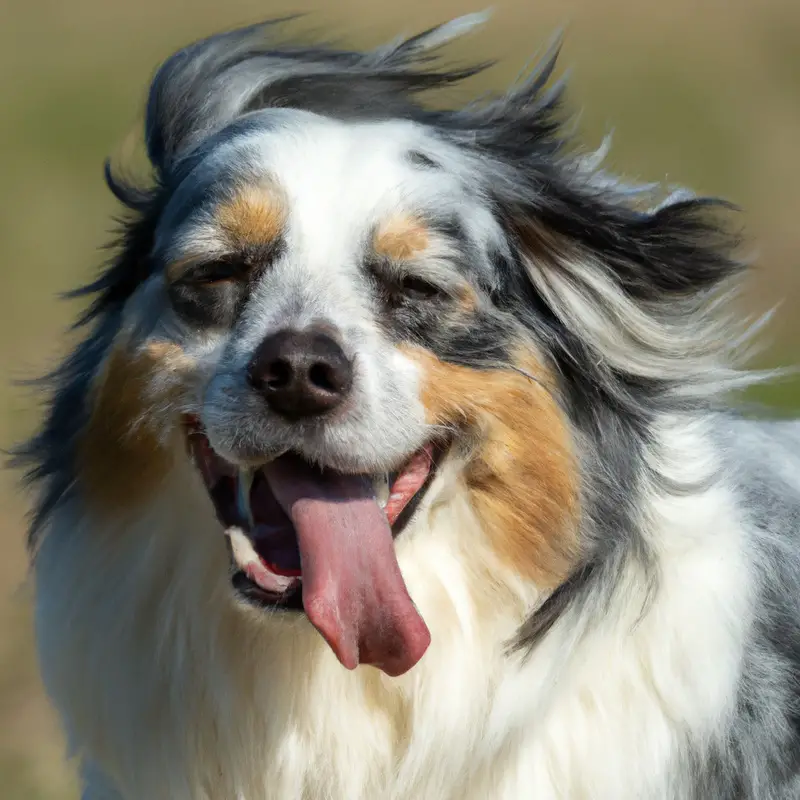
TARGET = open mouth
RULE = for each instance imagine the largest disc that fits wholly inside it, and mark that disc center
(306, 539)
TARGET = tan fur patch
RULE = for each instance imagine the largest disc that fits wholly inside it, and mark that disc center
(255, 217)
(400, 238)
(167, 355)
(522, 476)
(123, 455)
(467, 299)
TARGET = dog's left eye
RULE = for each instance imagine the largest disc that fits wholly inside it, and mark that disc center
(398, 291)
(418, 289)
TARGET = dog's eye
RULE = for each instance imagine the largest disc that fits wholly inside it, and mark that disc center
(418, 289)
(397, 291)
(216, 272)
(211, 293)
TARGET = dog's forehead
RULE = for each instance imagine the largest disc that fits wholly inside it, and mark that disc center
(327, 182)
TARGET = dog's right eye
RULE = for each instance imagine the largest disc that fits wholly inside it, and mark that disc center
(210, 294)
(216, 272)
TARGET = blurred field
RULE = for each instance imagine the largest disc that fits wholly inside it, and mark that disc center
(700, 92)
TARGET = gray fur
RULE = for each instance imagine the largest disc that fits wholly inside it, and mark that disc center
(760, 754)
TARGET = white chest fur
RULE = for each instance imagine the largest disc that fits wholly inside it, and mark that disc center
(176, 692)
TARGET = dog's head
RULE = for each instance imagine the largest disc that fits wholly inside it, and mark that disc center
(332, 290)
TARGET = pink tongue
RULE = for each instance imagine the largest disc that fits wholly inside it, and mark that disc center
(353, 591)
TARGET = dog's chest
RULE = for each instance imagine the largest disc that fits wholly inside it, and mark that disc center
(328, 733)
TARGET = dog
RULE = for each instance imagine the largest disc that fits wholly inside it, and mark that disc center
(395, 460)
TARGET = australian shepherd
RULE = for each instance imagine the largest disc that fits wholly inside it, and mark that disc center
(394, 461)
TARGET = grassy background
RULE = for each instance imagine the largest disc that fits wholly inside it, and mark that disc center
(700, 92)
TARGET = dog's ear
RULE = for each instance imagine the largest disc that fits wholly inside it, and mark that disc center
(210, 83)
(630, 276)
(129, 264)
(641, 288)
(200, 88)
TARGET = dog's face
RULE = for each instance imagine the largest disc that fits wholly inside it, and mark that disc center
(326, 288)
(332, 292)
(316, 255)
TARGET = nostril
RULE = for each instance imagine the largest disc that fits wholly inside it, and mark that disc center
(301, 373)
(279, 374)
(322, 376)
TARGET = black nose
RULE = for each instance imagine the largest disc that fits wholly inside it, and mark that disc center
(301, 373)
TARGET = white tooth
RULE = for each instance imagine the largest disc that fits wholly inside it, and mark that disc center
(244, 483)
(243, 551)
(382, 490)
(248, 560)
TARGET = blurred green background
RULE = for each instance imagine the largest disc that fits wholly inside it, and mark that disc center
(700, 92)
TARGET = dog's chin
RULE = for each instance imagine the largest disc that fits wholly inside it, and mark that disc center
(265, 555)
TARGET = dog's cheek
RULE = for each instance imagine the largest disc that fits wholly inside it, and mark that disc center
(128, 442)
(522, 476)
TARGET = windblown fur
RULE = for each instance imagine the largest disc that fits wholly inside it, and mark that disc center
(607, 559)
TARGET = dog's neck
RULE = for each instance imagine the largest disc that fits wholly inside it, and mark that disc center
(182, 692)
(268, 681)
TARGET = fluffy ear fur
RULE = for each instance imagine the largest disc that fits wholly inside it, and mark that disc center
(213, 82)
(48, 457)
(632, 280)
(638, 288)
(633, 283)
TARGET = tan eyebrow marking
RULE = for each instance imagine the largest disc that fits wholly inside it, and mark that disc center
(255, 216)
(400, 238)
